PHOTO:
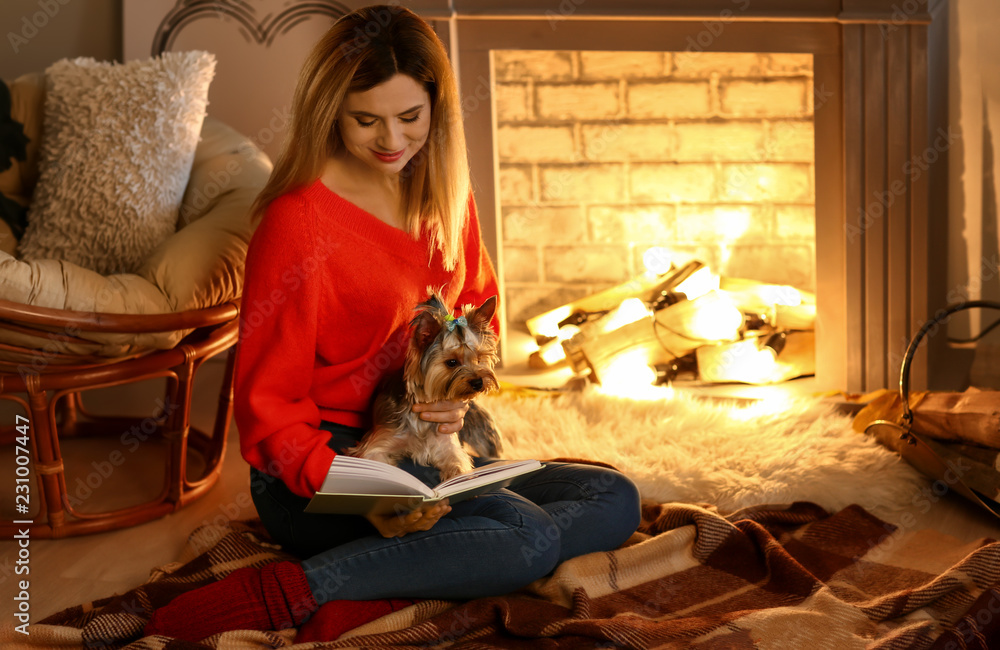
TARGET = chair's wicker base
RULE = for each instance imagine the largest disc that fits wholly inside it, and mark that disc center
(51, 400)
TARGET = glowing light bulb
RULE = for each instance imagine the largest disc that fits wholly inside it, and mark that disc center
(567, 332)
(629, 311)
(698, 283)
(715, 319)
(756, 367)
(628, 375)
(552, 354)
(548, 324)
(657, 260)
(731, 224)
(741, 361)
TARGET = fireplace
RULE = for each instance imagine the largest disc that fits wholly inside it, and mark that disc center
(853, 216)
(611, 162)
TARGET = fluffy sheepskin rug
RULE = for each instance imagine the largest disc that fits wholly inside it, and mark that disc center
(727, 454)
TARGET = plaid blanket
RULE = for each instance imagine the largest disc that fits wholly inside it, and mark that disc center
(766, 577)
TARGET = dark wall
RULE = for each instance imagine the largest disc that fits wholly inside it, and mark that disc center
(37, 33)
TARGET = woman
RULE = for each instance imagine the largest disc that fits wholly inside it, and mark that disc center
(368, 205)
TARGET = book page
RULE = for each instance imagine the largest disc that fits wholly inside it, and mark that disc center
(486, 475)
(351, 475)
(361, 486)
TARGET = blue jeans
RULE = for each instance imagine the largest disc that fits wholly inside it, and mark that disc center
(487, 546)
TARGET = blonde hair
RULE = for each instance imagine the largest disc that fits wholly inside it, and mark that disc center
(360, 51)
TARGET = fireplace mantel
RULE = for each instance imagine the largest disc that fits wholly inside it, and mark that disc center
(875, 124)
(842, 11)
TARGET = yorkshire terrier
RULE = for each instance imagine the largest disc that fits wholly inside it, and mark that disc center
(447, 358)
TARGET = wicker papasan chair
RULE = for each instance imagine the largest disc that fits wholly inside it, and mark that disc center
(66, 330)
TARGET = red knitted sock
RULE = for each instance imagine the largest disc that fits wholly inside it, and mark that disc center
(338, 616)
(274, 597)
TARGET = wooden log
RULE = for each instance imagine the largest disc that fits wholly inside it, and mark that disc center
(784, 307)
(646, 287)
(750, 361)
(596, 354)
(548, 355)
(669, 333)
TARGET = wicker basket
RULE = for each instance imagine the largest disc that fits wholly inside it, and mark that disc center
(967, 470)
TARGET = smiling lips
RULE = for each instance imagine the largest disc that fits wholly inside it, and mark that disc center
(389, 157)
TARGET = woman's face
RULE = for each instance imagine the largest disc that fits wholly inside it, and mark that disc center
(384, 127)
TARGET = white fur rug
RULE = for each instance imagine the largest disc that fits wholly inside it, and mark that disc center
(705, 451)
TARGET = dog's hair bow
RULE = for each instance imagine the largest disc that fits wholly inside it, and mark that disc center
(450, 322)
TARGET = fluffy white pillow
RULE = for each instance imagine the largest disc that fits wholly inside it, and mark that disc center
(117, 146)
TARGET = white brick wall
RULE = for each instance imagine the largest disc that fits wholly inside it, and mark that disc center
(634, 223)
(589, 264)
(669, 99)
(603, 154)
(619, 65)
(513, 101)
(521, 263)
(536, 143)
(620, 141)
(763, 98)
(516, 184)
(795, 222)
(519, 65)
(577, 101)
(585, 183)
(703, 65)
(728, 140)
(723, 224)
(537, 223)
(779, 182)
(790, 141)
(673, 182)
(791, 64)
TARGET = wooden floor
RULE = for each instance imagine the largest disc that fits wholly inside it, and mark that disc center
(75, 570)
(72, 571)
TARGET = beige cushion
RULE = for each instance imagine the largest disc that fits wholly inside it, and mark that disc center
(118, 144)
(200, 265)
(8, 243)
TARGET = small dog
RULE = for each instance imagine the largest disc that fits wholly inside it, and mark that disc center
(447, 358)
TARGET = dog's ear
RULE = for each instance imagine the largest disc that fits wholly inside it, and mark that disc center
(480, 318)
(434, 300)
(434, 303)
(425, 329)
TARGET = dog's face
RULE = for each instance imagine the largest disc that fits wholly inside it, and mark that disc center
(451, 358)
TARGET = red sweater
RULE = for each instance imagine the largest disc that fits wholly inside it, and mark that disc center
(328, 294)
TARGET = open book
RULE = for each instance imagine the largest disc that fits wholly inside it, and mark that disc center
(359, 486)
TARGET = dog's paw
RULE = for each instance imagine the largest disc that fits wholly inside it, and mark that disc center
(458, 466)
(375, 454)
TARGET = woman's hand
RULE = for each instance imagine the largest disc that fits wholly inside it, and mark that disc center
(450, 414)
(420, 519)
